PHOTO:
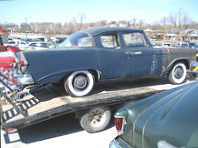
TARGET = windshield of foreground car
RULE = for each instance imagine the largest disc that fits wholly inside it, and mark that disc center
(79, 39)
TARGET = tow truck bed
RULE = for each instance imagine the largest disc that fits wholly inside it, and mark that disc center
(51, 101)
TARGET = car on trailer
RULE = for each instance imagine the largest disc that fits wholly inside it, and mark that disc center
(99, 54)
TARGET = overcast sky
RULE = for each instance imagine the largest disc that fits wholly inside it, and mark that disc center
(15, 11)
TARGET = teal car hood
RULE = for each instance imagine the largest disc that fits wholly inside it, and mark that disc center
(170, 116)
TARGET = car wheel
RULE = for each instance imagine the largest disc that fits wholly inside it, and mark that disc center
(96, 119)
(178, 73)
(79, 83)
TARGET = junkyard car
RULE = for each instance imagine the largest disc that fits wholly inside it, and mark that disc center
(7, 56)
(165, 120)
(95, 54)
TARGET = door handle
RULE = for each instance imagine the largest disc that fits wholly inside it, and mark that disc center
(130, 53)
(133, 53)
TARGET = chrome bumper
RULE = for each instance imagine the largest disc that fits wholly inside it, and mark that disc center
(25, 79)
(119, 143)
(114, 144)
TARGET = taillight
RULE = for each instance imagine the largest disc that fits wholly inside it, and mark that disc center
(22, 62)
(119, 123)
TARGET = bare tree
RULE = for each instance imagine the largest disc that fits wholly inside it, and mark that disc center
(82, 16)
(141, 23)
(134, 22)
(180, 21)
(164, 26)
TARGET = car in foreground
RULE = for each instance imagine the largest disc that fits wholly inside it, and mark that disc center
(165, 120)
(99, 54)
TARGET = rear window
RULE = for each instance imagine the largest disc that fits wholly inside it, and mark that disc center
(110, 41)
(79, 39)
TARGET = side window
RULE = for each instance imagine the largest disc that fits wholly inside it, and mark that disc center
(110, 41)
(135, 39)
(85, 42)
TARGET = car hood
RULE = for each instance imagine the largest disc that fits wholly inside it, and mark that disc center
(168, 116)
(173, 121)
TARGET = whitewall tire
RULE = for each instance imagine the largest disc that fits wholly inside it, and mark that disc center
(79, 83)
(178, 73)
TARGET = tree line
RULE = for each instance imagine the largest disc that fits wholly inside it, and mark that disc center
(176, 22)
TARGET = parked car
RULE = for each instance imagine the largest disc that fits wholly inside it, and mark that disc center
(60, 40)
(38, 45)
(181, 45)
(166, 44)
(7, 56)
(193, 45)
(38, 40)
(96, 54)
(16, 39)
(165, 120)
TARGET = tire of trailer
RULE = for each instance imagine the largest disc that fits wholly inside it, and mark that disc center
(95, 120)
(178, 73)
(79, 83)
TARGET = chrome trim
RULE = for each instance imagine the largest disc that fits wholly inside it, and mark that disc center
(114, 144)
(24, 79)
(164, 144)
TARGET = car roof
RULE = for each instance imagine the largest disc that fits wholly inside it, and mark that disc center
(99, 30)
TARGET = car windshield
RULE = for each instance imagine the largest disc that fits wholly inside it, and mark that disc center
(78, 39)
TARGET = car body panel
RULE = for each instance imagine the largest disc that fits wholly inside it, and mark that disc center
(168, 116)
(74, 60)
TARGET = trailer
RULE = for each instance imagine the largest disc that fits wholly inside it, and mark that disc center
(93, 111)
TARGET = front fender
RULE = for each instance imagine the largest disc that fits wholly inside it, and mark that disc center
(185, 60)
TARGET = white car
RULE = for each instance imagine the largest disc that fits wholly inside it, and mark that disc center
(181, 44)
(41, 45)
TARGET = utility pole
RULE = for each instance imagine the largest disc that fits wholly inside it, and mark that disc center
(26, 28)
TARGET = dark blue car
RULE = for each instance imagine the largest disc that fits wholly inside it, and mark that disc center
(96, 54)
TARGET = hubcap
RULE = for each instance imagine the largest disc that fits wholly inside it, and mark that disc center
(80, 82)
(178, 73)
(96, 117)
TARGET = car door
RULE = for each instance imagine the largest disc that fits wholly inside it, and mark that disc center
(112, 57)
(142, 58)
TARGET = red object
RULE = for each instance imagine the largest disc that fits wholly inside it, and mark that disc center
(13, 48)
(2, 48)
(6, 60)
(3, 31)
(22, 63)
(119, 123)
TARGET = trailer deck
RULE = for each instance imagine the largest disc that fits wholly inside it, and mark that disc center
(52, 101)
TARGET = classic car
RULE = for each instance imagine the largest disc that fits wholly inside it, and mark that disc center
(7, 56)
(96, 54)
(165, 120)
